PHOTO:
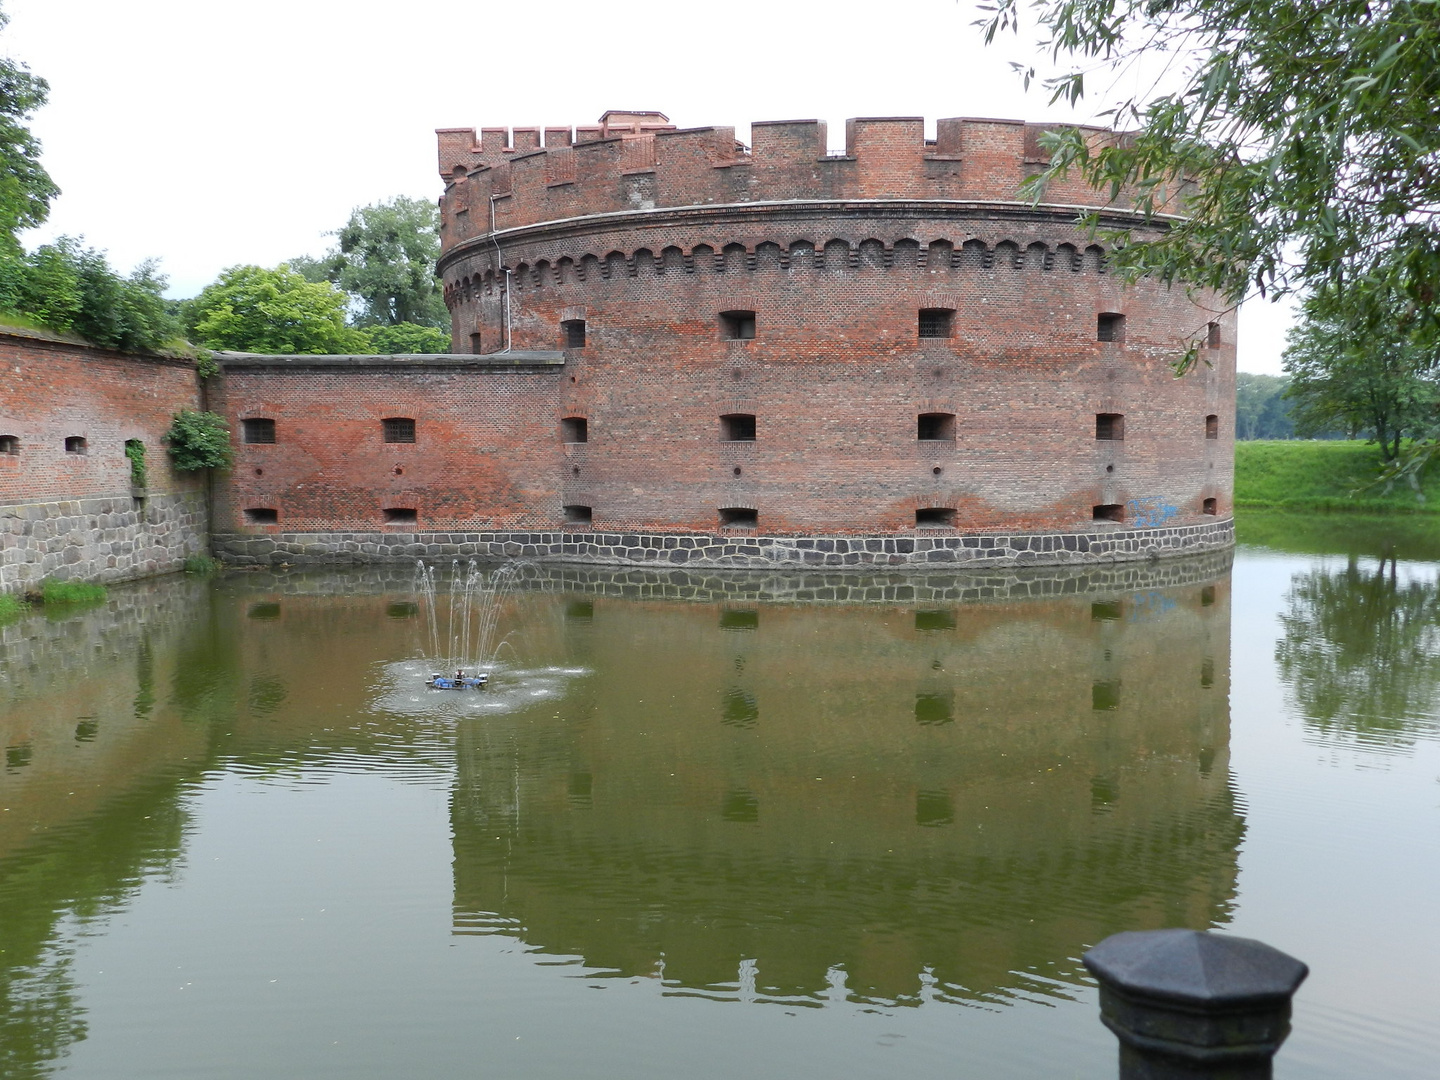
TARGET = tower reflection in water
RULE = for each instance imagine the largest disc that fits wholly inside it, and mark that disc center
(889, 802)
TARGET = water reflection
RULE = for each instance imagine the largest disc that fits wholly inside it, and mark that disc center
(1360, 654)
(907, 802)
(741, 795)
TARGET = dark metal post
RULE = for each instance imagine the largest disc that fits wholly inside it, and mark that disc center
(1187, 1005)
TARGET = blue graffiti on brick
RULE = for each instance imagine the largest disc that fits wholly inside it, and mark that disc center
(1150, 513)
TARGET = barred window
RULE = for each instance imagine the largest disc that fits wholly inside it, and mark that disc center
(399, 429)
(258, 430)
(936, 322)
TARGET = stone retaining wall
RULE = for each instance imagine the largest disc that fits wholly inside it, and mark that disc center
(973, 584)
(726, 550)
(105, 539)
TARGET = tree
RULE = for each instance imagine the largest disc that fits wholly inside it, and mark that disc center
(25, 187)
(1261, 409)
(251, 309)
(69, 287)
(1361, 653)
(1308, 126)
(1378, 382)
(407, 338)
(385, 257)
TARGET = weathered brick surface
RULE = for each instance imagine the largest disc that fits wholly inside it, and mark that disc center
(836, 256)
(76, 515)
(53, 390)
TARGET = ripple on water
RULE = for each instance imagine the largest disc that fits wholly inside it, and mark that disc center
(400, 690)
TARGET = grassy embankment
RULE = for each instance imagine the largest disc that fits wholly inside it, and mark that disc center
(1323, 476)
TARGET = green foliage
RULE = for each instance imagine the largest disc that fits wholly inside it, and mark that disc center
(25, 187)
(1309, 129)
(199, 440)
(135, 451)
(205, 365)
(58, 593)
(251, 309)
(1335, 475)
(201, 564)
(1360, 652)
(1372, 377)
(1261, 409)
(11, 607)
(385, 258)
(67, 287)
(407, 338)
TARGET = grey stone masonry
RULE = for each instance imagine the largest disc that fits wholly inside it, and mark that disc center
(977, 584)
(106, 539)
(738, 550)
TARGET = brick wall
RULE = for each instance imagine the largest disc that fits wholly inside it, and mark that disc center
(74, 513)
(487, 449)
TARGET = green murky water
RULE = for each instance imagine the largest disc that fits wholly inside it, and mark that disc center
(715, 826)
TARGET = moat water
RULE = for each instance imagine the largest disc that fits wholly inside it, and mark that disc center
(712, 826)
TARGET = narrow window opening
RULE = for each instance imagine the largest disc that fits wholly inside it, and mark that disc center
(258, 430)
(1110, 427)
(740, 619)
(933, 809)
(9, 444)
(400, 515)
(738, 517)
(737, 427)
(1207, 596)
(740, 806)
(135, 454)
(1108, 512)
(1208, 506)
(935, 517)
(574, 429)
(934, 708)
(1110, 326)
(75, 444)
(574, 330)
(1105, 695)
(737, 325)
(399, 429)
(936, 322)
(935, 427)
(261, 515)
(1212, 335)
(1212, 426)
(475, 346)
(578, 515)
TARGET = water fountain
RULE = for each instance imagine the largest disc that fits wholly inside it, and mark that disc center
(467, 635)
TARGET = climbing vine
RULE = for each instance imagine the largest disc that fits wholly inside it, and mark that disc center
(135, 451)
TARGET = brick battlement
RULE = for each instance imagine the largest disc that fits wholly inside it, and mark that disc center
(638, 161)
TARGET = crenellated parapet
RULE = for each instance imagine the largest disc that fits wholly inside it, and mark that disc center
(503, 179)
(833, 254)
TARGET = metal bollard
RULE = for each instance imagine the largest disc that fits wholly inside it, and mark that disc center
(1187, 1005)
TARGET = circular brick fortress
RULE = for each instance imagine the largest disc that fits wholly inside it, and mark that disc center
(781, 341)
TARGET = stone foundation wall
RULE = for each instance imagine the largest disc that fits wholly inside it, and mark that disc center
(105, 539)
(726, 550)
(982, 583)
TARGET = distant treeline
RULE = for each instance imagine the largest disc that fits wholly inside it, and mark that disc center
(1261, 409)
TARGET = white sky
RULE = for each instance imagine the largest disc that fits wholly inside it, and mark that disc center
(211, 134)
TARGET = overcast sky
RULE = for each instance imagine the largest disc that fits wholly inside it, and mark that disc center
(208, 134)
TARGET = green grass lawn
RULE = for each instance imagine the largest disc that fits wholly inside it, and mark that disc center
(1328, 476)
